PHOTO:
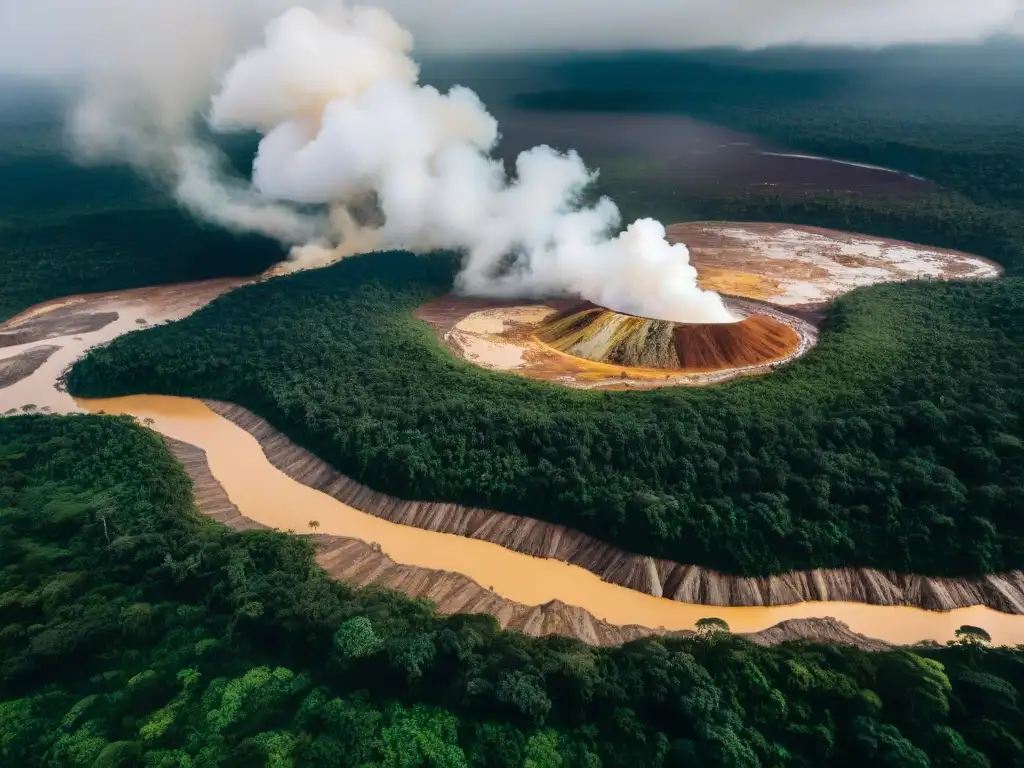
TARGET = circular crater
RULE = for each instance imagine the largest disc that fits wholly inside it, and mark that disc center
(581, 345)
(778, 278)
(605, 336)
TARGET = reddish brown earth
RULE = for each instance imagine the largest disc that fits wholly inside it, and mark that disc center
(543, 340)
(604, 336)
(795, 266)
(677, 153)
(752, 341)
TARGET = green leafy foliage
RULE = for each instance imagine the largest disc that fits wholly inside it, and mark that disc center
(134, 633)
(67, 229)
(145, 663)
(893, 444)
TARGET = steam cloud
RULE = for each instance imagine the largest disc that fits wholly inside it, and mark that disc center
(147, 68)
(344, 120)
(345, 123)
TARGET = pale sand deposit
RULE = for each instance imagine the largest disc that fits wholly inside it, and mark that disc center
(131, 311)
(503, 337)
(795, 265)
(266, 495)
(479, 337)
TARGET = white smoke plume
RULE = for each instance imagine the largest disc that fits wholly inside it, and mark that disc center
(144, 70)
(336, 98)
(345, 123)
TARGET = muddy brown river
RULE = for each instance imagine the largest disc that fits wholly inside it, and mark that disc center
(266, 495)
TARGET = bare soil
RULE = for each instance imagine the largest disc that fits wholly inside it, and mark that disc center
(65, 321)
(503, 335)
(51, 336)
(14, 369)
(605, 336)
(796, 266)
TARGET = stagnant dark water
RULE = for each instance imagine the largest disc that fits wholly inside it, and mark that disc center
(689, 154)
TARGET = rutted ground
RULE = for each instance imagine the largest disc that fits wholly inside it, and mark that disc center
(356, 562)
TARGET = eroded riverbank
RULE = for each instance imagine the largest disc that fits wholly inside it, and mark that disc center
(465, 552)
(266, 495)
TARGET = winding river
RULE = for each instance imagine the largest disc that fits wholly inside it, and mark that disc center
(266, 495)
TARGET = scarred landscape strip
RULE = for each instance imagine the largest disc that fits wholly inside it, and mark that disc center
(661, 578)
(357, 562)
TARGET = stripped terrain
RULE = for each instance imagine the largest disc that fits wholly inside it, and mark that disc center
(653, 576)
(357, 562)
(587, 347)
(40, 344)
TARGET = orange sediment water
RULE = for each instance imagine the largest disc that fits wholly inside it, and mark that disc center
(266, 495)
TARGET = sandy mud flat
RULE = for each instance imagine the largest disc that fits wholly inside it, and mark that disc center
(68, 328)
(792, 266)
(463, 572)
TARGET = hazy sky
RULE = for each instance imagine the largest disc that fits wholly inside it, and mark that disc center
(460, 24)
(48, 35)
(336, 97)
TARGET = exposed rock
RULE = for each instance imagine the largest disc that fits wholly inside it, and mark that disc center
(605, 336)
(63, 321)
(356, 562)
(662, 578)
(823, 630)
(210, 496)
(14, 369)
(576, 344)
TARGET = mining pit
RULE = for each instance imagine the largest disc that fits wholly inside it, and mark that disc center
(583, 346)
(779, 278)
(425, 549)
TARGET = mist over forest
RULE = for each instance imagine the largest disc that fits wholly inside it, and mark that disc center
(135, 632)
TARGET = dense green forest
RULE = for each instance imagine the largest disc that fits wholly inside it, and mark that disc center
(67, 229)
(896, 443)
(135, 633)
(954, 116)
(951, 116)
